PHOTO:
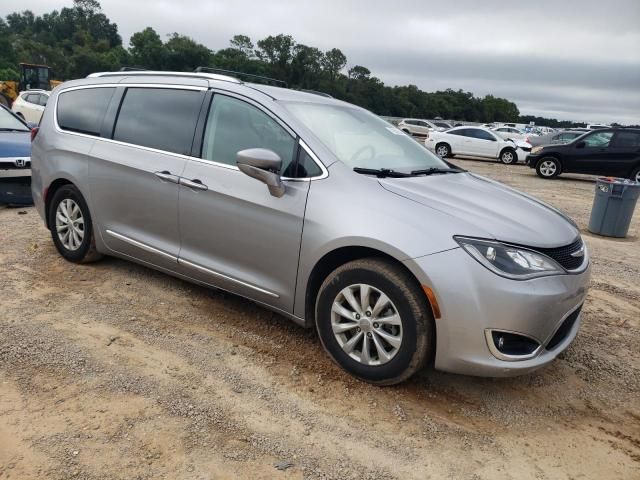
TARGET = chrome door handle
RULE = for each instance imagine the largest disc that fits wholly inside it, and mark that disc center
(167, 176)
(195, 183)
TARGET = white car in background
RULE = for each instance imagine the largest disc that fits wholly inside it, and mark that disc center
(30, 105)
(477, 142)
(418, 127)
(511, 133)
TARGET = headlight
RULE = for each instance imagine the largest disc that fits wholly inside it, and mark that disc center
(536, 149)
(508, 261)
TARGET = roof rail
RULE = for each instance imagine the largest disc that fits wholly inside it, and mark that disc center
(249, 76)
(315, 92)
(135, 73)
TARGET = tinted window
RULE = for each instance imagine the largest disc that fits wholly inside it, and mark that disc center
(31, 98)
(463, 132)
(234, 125)
(482, 135)
(83, 110)
(160, 118)
(42, 99)
(627, 140)
(599, 139)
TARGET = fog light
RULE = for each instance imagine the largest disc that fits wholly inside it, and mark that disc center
(511, 346)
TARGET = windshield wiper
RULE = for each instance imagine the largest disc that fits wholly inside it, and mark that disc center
(381, 172)
(436, 170)
(12, 130)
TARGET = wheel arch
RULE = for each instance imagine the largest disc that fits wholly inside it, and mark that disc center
(334, 259)
(508, 147)
(51, 191)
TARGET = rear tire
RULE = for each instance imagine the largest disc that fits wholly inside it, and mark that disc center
(71, 226)
(548, 167)
(443, 150)
(636, 175)
(384, 331)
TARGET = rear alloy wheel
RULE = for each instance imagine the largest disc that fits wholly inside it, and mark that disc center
(508, 156)
(548, 168)
(71, 227)
(443, 150)
(374, 321)
(636, 175)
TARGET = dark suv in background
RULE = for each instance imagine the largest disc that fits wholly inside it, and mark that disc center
(609, 151)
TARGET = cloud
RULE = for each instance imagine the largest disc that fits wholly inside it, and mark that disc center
(575, 59)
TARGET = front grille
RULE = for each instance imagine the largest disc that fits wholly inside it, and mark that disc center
(564, 329)
(562, 255)
(526, 149)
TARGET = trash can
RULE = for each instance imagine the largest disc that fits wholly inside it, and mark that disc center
(613, 206)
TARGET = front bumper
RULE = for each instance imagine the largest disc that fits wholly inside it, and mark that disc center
(473, 300)
(522, 154)
(532, 160)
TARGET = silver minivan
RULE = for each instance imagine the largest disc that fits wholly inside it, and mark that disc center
(316, 209)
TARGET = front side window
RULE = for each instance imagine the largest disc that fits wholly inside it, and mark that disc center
(83, 110)
(160, 118)
(234, 125)
(360, 139)
(598, 139)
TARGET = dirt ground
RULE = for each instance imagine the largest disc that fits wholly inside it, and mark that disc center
(111, 370)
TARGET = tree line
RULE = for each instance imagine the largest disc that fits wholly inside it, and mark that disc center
(81, 39)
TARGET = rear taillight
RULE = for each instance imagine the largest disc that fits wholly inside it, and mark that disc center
(34, 132)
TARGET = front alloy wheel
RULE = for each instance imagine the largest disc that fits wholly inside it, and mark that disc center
(508, 157)
(374, 320)
(548, 168)
(366, 324)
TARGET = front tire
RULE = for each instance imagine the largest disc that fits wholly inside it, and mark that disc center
(548, 167)
(508, 156)
(71, 226)
(374, 321)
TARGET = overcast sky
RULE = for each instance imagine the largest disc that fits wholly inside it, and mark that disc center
(568, 59)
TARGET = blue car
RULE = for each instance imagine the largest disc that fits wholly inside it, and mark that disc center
(15, 159)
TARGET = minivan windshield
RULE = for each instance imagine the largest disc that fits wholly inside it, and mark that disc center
(362, 140)
(10, 123)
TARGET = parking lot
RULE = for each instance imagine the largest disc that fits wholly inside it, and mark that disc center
(112, 370)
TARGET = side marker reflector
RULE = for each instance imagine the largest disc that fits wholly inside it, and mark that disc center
(435, 308)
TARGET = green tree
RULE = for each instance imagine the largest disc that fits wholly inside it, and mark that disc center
(147, 49)
(334, 61)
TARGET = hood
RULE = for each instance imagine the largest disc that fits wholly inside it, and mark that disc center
(15, 144)
(504, 213)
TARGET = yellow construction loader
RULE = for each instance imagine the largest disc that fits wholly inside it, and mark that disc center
(31, 77)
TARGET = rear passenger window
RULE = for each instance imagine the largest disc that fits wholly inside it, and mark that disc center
(626, 140)
(234, 125)
(83, 110)
(160, 118)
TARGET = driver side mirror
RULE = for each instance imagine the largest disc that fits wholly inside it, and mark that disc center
(580, 144)
(263, 165)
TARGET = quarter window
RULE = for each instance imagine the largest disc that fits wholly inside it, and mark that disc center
(160, 118)
(83, 110)
(482, 135)
(234, 125)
